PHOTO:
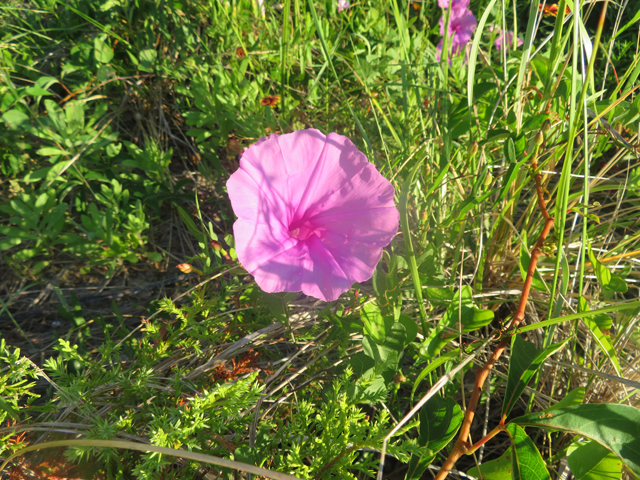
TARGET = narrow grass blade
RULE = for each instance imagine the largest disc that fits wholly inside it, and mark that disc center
(406, 231)
(141, 447)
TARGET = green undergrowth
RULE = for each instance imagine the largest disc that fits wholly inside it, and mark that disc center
(122, 121)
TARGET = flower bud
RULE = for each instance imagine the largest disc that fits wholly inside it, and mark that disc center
(539, 138)
(399, 378)
(546, 126)
(188, 268)
(184, 268)
(217, 246)
(473, 148)
(488, 180)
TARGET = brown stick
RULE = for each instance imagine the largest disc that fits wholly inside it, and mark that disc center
(462, 446)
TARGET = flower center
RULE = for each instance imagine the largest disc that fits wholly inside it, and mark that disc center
(301, 230)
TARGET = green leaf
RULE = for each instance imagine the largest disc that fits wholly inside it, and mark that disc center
(432, 366)
(50, 151)
(461, 310)
(616, 427)
(191, 226)
(7, 243)
(361, 363)
(154, 256)
(574, 397)
(375, 324)
(14, 118)
(526, 462)
(601, 339)
(525, 361)
(386, 358)
(608, 280)
(103, 52)
(411, 328)
(74, 113)
(440, 419)
(406, 233)
(10, 410)
(509, 177)
(277, 305)
(592, 461)
(510, 151)
(396, 338)
(498, 469)
(147, 59)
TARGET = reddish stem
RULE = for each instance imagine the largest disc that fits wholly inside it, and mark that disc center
(462, 446)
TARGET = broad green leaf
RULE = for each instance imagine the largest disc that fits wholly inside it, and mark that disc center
(602, 340)
(592, 461)
(396, 338)
(277, 304)
(74, 113)
(102, 51)
(14, 118)
(440, 419)
(376, 325)
(574, 397)
(361, 363)
(50, 151)
(616, 427)
(147, 59)
(7, 243)
(498, 469)
(608, 280)
(154, 256)
(526, 462)
(411, 328)
(525, 361)
(604, 322)
(386, 358)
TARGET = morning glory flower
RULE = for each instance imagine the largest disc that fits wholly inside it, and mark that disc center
(508, 38)
(462, 24)
(343, 5)
(313, 213)
(454, 3)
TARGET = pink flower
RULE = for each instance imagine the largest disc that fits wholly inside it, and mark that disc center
(343, 5)
(313, 213)
(462, 23)
(499, 39)
(455, 3)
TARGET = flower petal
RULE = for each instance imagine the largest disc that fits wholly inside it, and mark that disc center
(323, 278)
(339, 162)
(255, 202)
(364, 191)
(285, 271)
(257, 243)
(356, 239)
(282, 166)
